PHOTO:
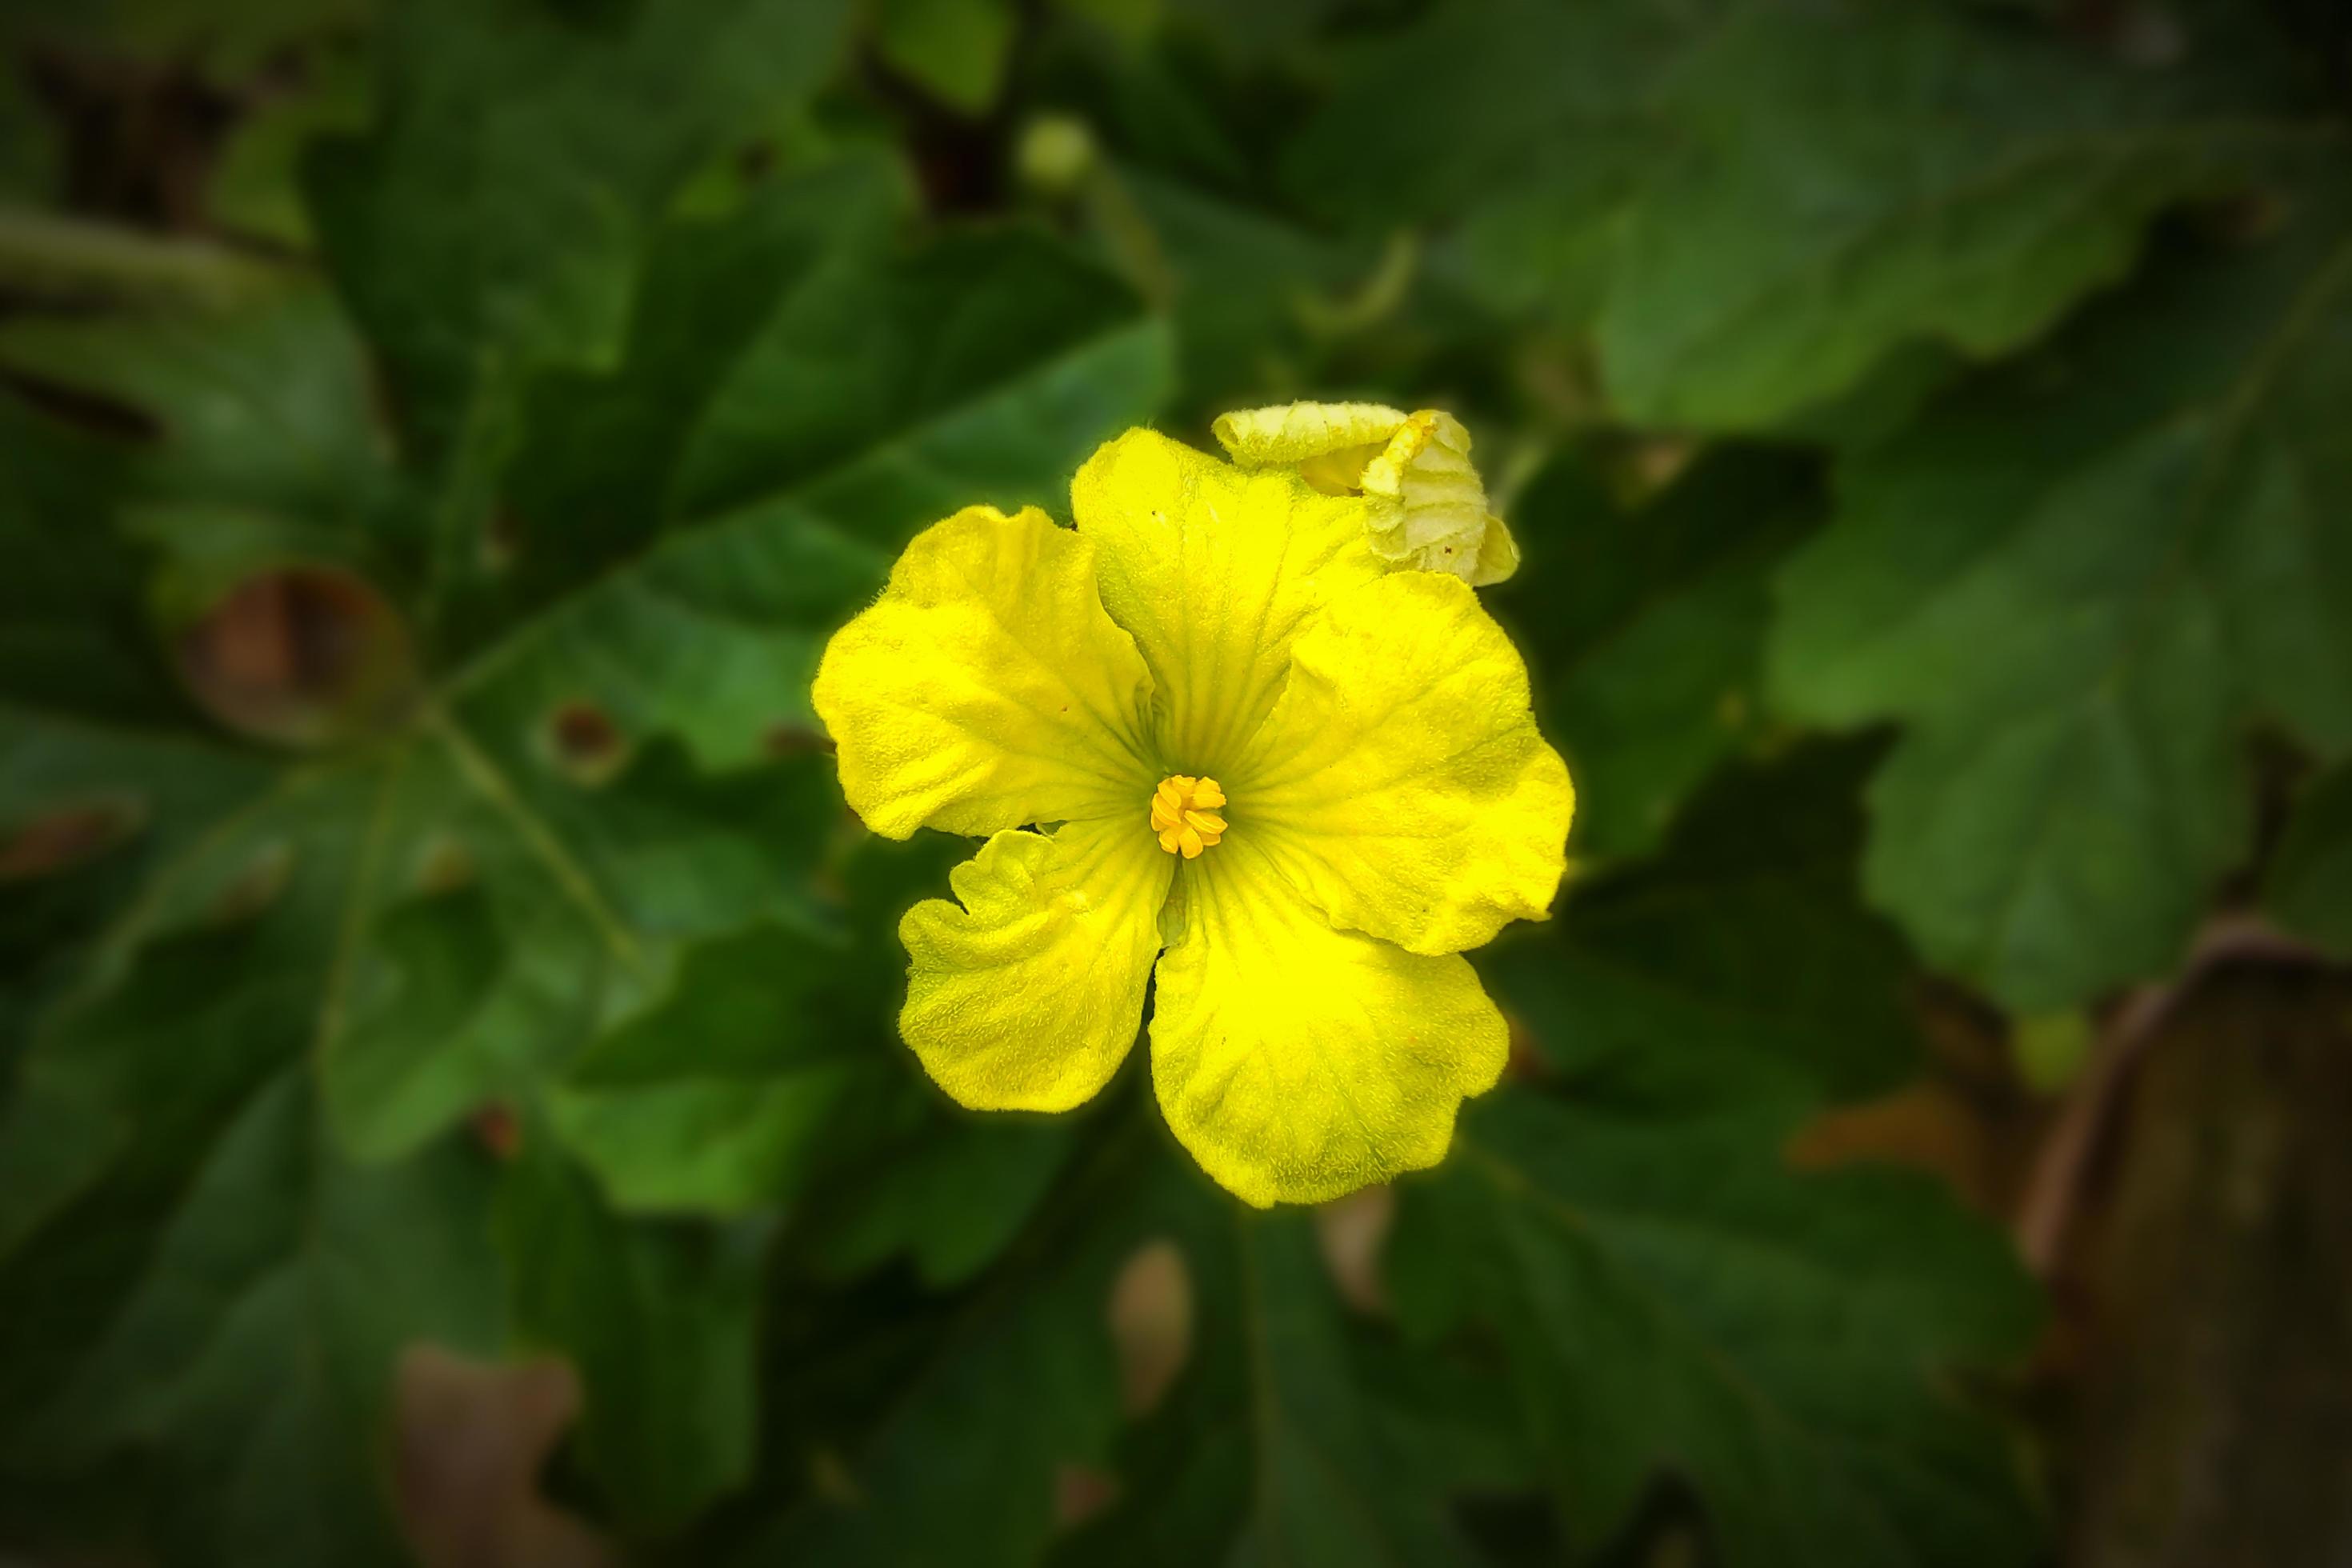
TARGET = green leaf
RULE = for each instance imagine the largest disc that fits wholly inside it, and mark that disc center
(722, 1096)
(1647, 624)
(956, 49)
(255, 1306)
(1852, 179)
(659, 1322)
(1498, 95)
(29, 149)
(226, 42)
(949, 1197)
(1663, 1294)
(255, 190)
(71, 632)
(961, 1463)
(1666, 1295)
(1739, 965)
(267, 407)
(594, 793)
(1245, 286)
(1267, 1444)
(843, 408)
(1755, 205)
(1293, 1434)
(493, 219)
(2310, 882)
(2073, 583)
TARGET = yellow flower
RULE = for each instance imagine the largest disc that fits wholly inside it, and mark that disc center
(1427, 507)
(1207, 730)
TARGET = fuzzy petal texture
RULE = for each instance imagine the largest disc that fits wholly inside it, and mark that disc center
(1298, 1063)
(1399, 781)
(1027, 995)
(986, 689)
(1215, 571)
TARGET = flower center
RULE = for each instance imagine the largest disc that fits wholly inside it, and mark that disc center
(1184, 813)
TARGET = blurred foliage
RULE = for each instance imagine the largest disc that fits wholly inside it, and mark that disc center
(439, 435)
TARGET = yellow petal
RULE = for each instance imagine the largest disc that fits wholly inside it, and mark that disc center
(1028, 995)
(1427, 504)
(1298, 1063)
(1399, 781)
(986, 689)
(1498, 556)
(1213, 570)
(1293, 433)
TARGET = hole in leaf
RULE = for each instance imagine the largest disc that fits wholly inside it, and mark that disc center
(303, 656)
(1353, 1235)
(586, 743)
(1150, 1324)
(69, 837)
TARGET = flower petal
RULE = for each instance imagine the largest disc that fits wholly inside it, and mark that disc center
(986, 689)
(1298, 1063)
(1028, 996)
(1427, 504)
(1399, 781)
(1213, 570)
(1297, 433)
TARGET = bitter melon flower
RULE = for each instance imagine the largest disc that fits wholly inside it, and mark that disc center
(1212, 735)
(1426, 504)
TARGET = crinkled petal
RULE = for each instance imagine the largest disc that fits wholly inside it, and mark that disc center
(1215, 571)
(1298, 1063)
(986, 689)
(1426, 504)
(1027, 995)
(1400, 781)
(1291, 433)
(1498, 556)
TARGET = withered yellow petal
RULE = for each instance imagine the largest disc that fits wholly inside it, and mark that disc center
(1399, 781)
(1027, 995)
(986, 689)
(1298, 1063)
(1291, 433)
(1426, 505)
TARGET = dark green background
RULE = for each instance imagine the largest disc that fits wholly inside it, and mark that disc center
(438, 435)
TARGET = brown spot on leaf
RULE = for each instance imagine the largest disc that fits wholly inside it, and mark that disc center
(69, 837)
(1526, 1063)
(786, 738)
(446, 866)
(303, 656)
(256, 887)
(471, 1439)
(1353, 1235)
(1930, 1126)
(498, 1130)
(1150, 1314)
(586, 743)
(1080, 1492)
